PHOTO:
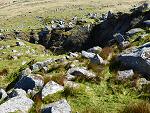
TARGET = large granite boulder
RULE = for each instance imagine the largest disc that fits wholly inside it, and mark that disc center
(137, 59)
(32, 83)
(18, 103)
(51, 88)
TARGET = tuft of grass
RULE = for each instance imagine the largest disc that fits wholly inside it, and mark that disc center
(140, 107)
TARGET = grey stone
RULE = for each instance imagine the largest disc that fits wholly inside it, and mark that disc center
(20, 44)
(14, 57)
(137, 59)
(71, 84)
(14, 51)
(73, 54)
(95, 50)
(147, 22)
(2, 47)
(3, 94)
(50, 88)
(18, 103)
(79, 71)
(88, 54)
(124, 44)
(61, 106)
(125, 74)
(34, 82)
(17, 92)
(143, 81)
(27, 71)
(37, 66)
(134, 31)
(119, 38)
(97, 60)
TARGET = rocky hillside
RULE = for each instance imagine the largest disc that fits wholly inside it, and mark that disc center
(95, 64)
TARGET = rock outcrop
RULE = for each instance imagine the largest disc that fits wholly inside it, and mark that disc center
(137, 59)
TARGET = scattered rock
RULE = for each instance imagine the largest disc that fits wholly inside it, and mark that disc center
(24, 62)
(27, 71)
(32, 82)
(124, 44)
(21, 104)
(14, 51)
(134, 31)
(58, 107)
(50, 88)
(73, 54)
(20, 44)
(119, 38)
(142, 81)
(71, 84)
(147, 22)
(88, 54)
(14, 57)
(97, 60)
(125, 74)
(79, 71)
(96, 50)
(39, 65)
(137, 59)
(3, 94)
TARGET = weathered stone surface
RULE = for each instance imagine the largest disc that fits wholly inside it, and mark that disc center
(71, 84)
(137, 59)
(39, 65)
(27, 71)
(87, 54)
(58, 107)
(133, 31)
(22, 104)
(95, 50)
(3, 94)
(97, 60)
(125, 74)
(124, 44)
(119, 38)
(50, 88)
(73, 54)
(147, 22)
(17, 92)
(34, 82)
(79, 71)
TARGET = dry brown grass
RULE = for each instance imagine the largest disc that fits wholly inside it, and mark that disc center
(142, 107)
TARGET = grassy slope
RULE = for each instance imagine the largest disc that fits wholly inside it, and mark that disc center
(16, 14)
(104, 97)
(12, 65)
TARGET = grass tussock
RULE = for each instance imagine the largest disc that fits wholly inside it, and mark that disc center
(140, 107)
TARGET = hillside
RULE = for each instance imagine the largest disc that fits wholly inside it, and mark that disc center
(71, 56)
(22, 14)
